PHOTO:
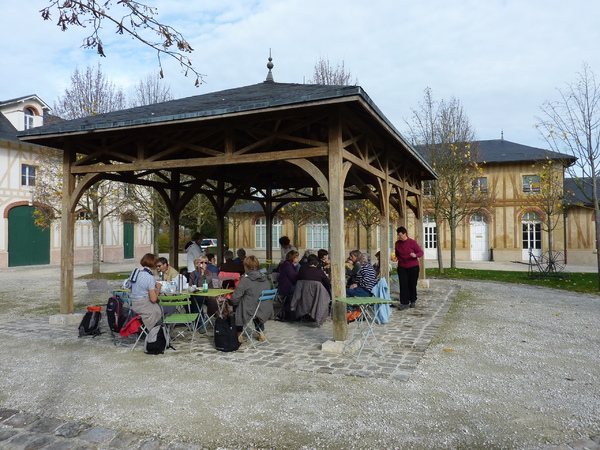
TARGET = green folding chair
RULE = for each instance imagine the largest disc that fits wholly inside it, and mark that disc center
(190, 320)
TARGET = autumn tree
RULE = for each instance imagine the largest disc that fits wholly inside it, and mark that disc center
(547, 194)
(198, 215)
(300, 213)
(150, 90)
(327, 73)
(89, 93)
(571, 125)
(444, 135)
(135, 19)
(364, 214)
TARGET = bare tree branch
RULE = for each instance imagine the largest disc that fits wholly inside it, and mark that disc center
(138, 20)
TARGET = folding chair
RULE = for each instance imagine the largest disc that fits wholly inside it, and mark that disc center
(249, 328)
(133, 326)
(188, 319)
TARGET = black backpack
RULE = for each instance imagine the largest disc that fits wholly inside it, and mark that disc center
(90, 324)
(115, 314)
(226, 339)
(157, 340)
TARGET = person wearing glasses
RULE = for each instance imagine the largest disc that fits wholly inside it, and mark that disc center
(165, 271)
(197, 276)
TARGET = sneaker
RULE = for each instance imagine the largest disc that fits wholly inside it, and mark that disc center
(402, 307)
(412, 305)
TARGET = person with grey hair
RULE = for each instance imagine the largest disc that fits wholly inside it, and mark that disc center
(365, 279)
(230, 265)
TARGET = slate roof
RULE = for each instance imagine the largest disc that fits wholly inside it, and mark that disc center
(501, 151)
(7, 130)
(498, 151)
(26, 97)
(574, 194)
(248, 98)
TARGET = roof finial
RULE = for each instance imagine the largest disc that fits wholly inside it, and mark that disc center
(269, 66)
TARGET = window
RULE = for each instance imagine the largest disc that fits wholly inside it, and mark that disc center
(82, 215)
(260, 230)
(430, 232)
(317, 234)
(480, 186)
(532, 231)
(29, 115)
(531, 184)
(27, 175)
(428, 188)
(391, 236)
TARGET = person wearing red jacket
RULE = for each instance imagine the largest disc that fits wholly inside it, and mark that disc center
(408, 253)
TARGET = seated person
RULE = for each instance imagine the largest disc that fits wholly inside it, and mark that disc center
(197, 278)
(165, 271)
(211, 263)
(365, 279)
(241, 254)
(304, 259)
(288, 274)
(324, 262)
(144, 292)
(352, 267)
(312, 272)
(230, 265)
(245, 298)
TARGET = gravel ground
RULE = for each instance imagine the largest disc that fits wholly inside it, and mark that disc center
(511, 367)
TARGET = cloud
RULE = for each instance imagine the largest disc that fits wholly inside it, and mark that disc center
(502, 59)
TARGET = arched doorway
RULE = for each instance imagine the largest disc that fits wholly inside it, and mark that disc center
(532, 234)
(27, 244)
(479, 238)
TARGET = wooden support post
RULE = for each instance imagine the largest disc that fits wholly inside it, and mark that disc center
(336, 221)
(384, 221)
(67, 233)
(174, 212)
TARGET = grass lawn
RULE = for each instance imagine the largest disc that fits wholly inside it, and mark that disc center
(574, 282)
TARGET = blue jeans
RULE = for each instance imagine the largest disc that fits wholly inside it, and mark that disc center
(358, 292)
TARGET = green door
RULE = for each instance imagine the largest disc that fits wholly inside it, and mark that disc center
(27, 244)
(127, 240)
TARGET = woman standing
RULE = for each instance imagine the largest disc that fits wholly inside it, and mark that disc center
(144, 292)
(408, 253)
(246, 295)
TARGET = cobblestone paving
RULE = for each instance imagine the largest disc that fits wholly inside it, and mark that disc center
(297, 345)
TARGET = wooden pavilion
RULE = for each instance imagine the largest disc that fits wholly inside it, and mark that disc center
(265, 142)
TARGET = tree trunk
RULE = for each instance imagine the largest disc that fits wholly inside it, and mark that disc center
(439, 247)
(550, 244)
(96, 244)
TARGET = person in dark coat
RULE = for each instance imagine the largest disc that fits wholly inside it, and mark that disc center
(245, 298)
(312, 272)
(230, 265)
(288, 274)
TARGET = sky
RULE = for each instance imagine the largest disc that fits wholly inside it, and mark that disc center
(501, 58)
